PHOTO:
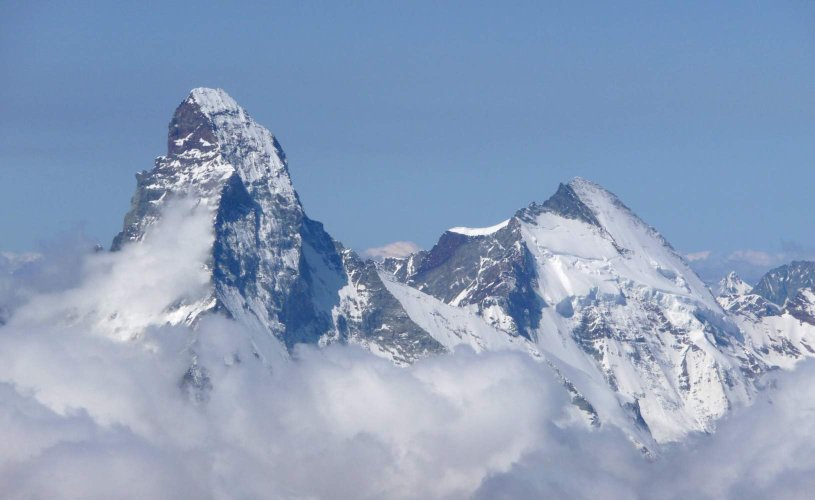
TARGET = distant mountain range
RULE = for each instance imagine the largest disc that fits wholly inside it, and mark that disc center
(579, 282)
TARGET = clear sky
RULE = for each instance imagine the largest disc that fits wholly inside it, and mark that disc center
(403, 119)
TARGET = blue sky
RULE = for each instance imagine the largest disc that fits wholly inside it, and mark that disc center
(403, 119)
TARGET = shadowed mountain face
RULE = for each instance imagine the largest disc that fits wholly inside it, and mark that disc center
(783, 283)
(579, 282)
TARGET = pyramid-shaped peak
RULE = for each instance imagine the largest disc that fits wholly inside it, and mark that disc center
(567, 202)
(210, 120)
(600, 200)
(579, 197)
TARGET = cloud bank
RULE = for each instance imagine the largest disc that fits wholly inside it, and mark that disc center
(93, 405)
(764, 451)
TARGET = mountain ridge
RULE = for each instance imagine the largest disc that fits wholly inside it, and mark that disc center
(578, 281)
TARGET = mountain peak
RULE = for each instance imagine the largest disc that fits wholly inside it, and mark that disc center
(732, 284)
(212, 144)
(582, 182)
(588, 190)
(580, 199)
(213, 101)
(270, 267)
(567, 203)
(196, 120)
(209, 121)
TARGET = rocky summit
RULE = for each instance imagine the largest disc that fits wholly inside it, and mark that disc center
(578, 281)
(272, 268)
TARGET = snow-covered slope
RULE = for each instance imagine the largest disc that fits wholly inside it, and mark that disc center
(454, 326)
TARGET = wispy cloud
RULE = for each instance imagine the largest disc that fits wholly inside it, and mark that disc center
(395, 249)
(697, 256)
(756, 258)
(750, 264)
(746, 458)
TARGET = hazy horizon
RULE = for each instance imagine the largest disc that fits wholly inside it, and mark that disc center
(698, 117)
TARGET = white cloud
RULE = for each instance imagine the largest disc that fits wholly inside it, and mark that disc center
(395, 249)
(756, 258)
(696, 256)
(126, 291)
(337, 423)
(763, 451)
(87, 412)
(750, 264)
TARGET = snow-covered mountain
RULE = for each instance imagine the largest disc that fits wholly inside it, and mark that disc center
(732, 284)
(605, 300)
(579, 282)
(270, 266)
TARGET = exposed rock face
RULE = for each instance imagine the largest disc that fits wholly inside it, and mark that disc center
(492, 271)
(802, 306)
(370, 315)
(272, 267)
(783, 283)
(566, 203)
